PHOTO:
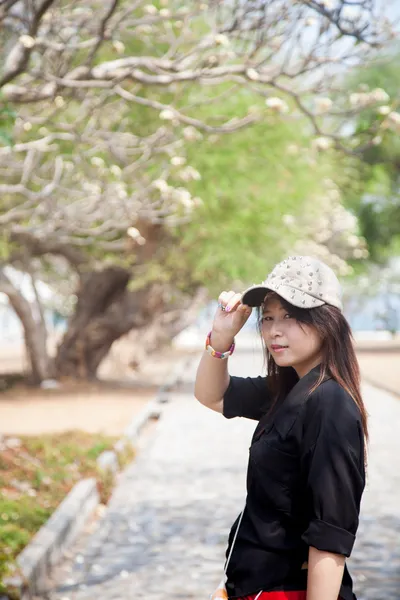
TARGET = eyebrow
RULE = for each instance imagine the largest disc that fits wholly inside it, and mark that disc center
(267, 310)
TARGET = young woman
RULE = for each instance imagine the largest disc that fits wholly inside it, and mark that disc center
(306, 471)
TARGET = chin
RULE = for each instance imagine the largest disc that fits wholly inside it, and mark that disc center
(283, 361)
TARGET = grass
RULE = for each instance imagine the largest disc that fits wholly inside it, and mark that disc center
(36, 473)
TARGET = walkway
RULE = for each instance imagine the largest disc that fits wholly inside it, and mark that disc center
(164, 534)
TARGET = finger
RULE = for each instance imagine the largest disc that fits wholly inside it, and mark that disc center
(233, 303)
(225, 297)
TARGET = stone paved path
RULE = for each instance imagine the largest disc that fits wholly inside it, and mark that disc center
(164, 534)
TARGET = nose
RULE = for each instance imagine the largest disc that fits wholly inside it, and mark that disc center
(275, 329)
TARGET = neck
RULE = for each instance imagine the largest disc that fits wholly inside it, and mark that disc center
(304, 368)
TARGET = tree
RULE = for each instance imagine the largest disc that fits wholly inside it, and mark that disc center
(375, 193)
(98, 121)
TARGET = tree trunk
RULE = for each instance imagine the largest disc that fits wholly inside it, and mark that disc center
(107, 310)
(34, 332)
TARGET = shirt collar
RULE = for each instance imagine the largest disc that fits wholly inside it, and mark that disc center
(285, 414)
(287, 411)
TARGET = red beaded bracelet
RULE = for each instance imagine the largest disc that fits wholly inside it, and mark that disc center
(216, 354)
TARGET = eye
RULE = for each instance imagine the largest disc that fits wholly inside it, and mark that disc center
(266, 318)
(288, 316)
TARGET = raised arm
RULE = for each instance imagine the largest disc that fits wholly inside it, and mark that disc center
(212, 378)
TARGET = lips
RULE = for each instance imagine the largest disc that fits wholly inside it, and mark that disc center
(278, 347)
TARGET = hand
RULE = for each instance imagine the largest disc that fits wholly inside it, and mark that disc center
(227, 323)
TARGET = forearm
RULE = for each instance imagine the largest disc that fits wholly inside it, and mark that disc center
(325, 574)
(212, 378)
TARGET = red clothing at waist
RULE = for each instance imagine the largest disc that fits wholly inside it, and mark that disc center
(302, 595)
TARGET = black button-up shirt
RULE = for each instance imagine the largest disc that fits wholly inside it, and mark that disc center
(305, 480)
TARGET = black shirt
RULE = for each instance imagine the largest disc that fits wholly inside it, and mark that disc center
(305, 480)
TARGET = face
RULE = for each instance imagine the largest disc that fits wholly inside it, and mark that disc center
(291, 344)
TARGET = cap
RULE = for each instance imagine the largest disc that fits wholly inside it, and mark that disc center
(303, 281)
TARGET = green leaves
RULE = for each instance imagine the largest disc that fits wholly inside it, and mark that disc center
(7, 118)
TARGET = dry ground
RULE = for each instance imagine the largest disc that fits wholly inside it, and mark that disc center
(106, 407)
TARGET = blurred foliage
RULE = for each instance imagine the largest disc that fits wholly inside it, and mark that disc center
(37, 475)
(374, 190)
(250, 181)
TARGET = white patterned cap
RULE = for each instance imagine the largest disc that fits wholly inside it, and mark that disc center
(303, 281)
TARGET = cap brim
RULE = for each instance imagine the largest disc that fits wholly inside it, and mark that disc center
(255, 295)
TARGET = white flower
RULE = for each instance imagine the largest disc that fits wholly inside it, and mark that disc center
(165, 12)
(288, 220)
(182, 196)
(379, 95)
(133, 232)
(292, 149)
(384, 110)
(393, 121)
(360, 99)
(323, 104)
(191, 134)
(394, 117)
(161, 185)
(222, 40)
(136, 235)
(167, 114)
(144, 28)
(252, 74)
(27, 41)
(119, 46)
(353, 241)
(59, 101)
(277, 104)
(150, 9)
(377, 140)
(322, 143)
(189, 173)
(178, 161)
(115, 170)
(310, 21)
(97, 161)
(27, 126)
(333, 194)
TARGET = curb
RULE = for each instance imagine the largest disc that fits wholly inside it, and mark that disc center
(51, 541)
(108, 460)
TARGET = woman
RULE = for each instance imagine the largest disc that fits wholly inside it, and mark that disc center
(306, 471)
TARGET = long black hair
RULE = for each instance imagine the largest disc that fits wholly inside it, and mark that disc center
(338, 357)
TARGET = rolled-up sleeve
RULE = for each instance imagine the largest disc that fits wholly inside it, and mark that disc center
(332, 459)
(246, 397)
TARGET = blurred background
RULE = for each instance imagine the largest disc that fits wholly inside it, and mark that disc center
(153, 155)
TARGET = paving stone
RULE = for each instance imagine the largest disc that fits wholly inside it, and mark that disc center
(165, 531)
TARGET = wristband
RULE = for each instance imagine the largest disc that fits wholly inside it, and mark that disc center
(215, 353)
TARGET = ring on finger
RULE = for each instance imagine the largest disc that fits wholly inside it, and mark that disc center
(221, 306)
